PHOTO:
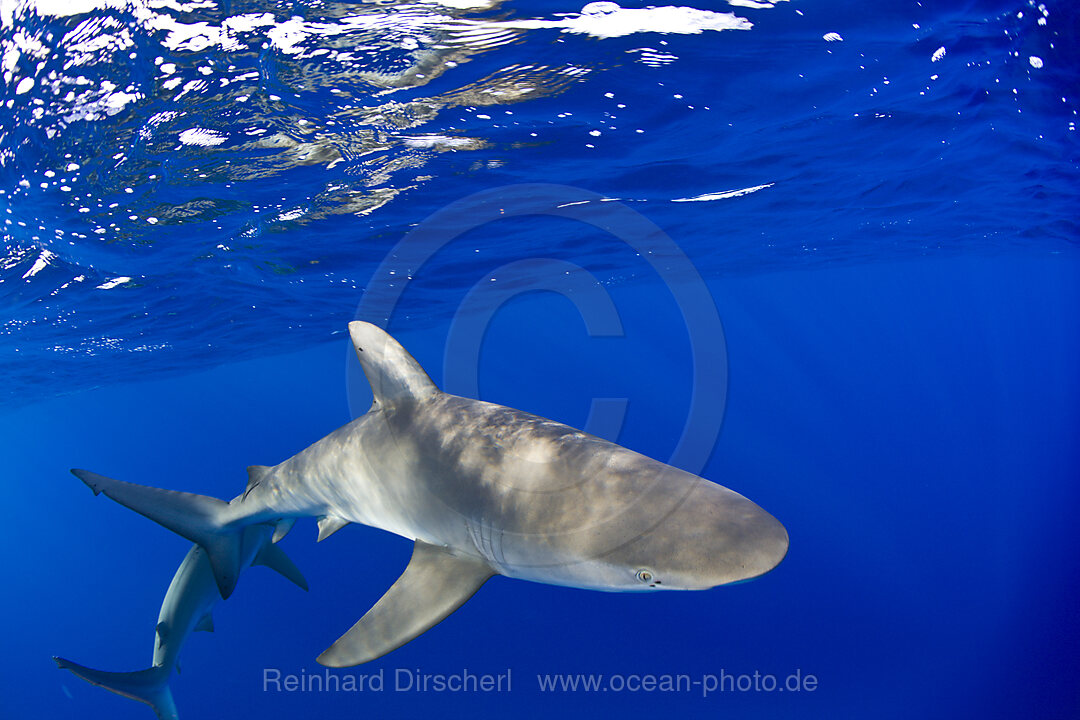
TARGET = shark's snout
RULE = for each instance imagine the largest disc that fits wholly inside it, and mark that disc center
(756, 546)
(715, 537)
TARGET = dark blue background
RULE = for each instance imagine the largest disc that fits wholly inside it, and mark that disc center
(911, 423)
(901, 311)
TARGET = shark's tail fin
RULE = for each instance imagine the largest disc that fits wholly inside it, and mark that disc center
(202, 520)
(150, 686)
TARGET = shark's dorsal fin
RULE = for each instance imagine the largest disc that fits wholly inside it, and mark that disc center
(204, 625)
(330, 524)
(435, 584)
(394, 375)
(256, 473)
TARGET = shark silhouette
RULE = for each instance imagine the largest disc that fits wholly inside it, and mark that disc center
(482, 490)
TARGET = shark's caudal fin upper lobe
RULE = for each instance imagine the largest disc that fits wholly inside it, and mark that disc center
(201, 520)
(196, 517)
(150, 686)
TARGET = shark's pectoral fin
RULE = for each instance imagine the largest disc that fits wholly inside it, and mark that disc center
(435, 584)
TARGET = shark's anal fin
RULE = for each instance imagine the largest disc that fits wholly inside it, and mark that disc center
(275, 558)
(435, 584)
(330, 524)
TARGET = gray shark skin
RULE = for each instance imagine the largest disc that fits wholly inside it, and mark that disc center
(482, 490)
(186, 608)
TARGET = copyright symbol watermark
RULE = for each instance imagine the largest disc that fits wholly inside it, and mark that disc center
(407, 259)
(461, 351)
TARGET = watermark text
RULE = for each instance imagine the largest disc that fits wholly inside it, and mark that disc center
(704, 683)
(384, 680)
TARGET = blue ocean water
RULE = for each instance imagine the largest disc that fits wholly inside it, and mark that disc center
(878, 201)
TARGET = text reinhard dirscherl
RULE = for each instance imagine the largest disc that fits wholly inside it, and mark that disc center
(401, 680)
(466, 681)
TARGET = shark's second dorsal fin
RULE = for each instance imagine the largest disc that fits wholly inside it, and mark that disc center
(435, 584)
(256, 473)
(393, 373)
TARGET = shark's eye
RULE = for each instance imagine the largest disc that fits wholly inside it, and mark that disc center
(644, 576)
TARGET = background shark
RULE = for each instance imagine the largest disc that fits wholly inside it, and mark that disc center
(186, 608)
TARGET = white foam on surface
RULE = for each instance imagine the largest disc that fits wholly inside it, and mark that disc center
(707, 197)
(201, 136)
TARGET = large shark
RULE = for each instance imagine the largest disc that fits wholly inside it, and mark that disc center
(186, 608)
(482, 490)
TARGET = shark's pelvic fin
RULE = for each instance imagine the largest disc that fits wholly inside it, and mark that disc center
(392, 372)
(435, 584)
(204, 625)
(330, 524)
(150, 686)
(196, 517)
